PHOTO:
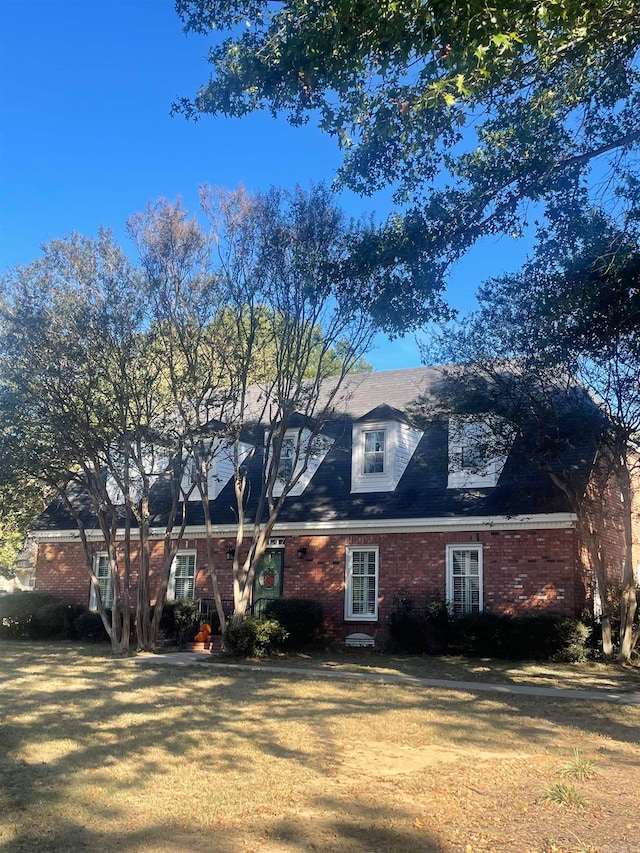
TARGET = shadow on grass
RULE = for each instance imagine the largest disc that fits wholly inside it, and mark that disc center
(105, 754)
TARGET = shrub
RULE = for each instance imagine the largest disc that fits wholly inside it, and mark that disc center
(301, 618)
(419, 629)
(180, 621)
(38, 616)
(481, 634)
(89, 627)
(254, 637)
(55, 621)
(543, 636)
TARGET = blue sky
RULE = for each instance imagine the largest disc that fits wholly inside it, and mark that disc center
(86, 137)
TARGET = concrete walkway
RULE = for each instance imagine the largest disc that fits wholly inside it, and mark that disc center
(198, 659)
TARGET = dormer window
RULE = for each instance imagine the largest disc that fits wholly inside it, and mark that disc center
(299, 446)
(383, 443)
(217, 459)
(197, 468)
(472, 464)
(374, 448)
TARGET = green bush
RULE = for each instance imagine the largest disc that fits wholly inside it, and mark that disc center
(55, 621)
(574, 640)
(542, 636)
(254, 637)
(480, 635)
(180, 621)
(89, 627)
(38, 616)
(419, 629)
(301, 618)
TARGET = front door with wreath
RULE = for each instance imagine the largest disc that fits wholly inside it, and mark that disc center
(268, 580)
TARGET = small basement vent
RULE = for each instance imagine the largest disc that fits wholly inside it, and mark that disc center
(359, 640)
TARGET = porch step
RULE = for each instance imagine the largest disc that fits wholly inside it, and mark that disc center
(213, 644)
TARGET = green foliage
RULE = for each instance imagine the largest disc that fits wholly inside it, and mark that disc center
(254, 637)
(38, 616)
(301, 618)
(429, 629)
(579, 767)
(543, 636)
(564, 795)
(474, 114)
(89, 627)
(419, 629)
(180, 621)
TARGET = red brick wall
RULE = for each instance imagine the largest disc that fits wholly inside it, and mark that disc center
(523, 570)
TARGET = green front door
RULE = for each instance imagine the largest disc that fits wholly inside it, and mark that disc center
(268, 581)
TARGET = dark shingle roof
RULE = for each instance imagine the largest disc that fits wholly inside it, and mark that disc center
(422, 491)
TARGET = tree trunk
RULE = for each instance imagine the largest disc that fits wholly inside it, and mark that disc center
(143, 604)
(628, 598)
(597, 562)
(204, 497)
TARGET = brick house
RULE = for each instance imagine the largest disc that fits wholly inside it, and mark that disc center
(385, 508)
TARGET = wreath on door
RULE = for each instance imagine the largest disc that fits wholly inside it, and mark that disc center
(268, 577)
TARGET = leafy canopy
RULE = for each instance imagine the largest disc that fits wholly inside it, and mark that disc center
(472, 110)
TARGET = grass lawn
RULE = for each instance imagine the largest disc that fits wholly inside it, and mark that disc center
(111, 755)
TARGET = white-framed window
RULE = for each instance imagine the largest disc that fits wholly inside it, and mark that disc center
(375, 442)
(182, 580)
(464, 579)
(219, 462)
(381, 451)
(287, 458)
(361, 584)
(300, 450)
(102, 571)
(474, 457)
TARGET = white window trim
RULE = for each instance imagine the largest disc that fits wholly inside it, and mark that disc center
(320, 446)
(385, 452)
(464, 433)
(464, 546)
(93, 598)
(220, 465)
(348, 586)
(380, 482)
(171, 588)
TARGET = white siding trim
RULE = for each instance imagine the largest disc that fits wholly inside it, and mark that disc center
(470, 524)
(220, 468)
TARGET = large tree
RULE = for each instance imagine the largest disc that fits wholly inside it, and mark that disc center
(558, 346)
(122, 381)
(60, 315)
(295, 331)
(480, 115)
(88, 411)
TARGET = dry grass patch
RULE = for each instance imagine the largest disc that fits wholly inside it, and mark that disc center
(110, 755)
(589, 675)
